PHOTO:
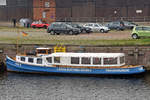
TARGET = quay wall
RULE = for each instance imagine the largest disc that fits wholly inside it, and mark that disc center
(134, 54)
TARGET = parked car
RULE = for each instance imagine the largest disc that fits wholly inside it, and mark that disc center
(59, 27)
(116, 25)
(97, 27)
(129, 25)
(39, 24)
(82, 28)
(140, 31)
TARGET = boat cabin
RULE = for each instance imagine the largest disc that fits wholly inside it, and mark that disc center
(87, 59)
(43, 51)
(76, 59)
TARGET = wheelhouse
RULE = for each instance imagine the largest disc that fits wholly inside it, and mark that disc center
(43, 51)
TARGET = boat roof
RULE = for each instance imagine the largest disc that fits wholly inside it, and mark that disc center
(87, 54)
(41, 48)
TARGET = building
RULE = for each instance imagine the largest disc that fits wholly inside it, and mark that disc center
(45, 10)
(90, 10)
(75, 10)
(10, 9)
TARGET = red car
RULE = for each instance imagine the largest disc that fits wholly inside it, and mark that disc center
(39, 25)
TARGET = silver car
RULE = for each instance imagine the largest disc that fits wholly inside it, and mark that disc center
(96, 27)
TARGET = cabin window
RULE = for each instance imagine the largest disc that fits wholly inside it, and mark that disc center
(39, 61)
(42, 51)
(86, 60)
(74, 60)
(110, 61)
(22, 58)
(122, 60)
(49, 59)
(56, 59)
(96, 61)
(49, 51)
(30, 60)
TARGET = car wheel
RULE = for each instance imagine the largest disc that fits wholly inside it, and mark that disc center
(87, 31)
(48, 31)
(131, 27)
(118, 29)
(71, 33)
(135, 36)
(102, 31)
(57, 33)
(76, 33)
(33, 26)
(52, 33)
(45, 27)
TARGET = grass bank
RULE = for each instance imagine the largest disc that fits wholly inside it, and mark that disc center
(9, 35)
(76, 42)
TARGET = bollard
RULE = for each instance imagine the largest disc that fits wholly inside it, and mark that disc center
(2, 67)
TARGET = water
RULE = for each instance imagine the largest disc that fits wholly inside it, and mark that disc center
(18, 86)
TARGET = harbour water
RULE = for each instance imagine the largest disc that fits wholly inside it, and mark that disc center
(20, 86)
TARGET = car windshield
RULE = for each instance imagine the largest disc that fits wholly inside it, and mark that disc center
(138, 28)
(100, 24)
(132, 23)
(129, 23)
(69, 26)
(96, 25)
(88, 24)
(74, 25)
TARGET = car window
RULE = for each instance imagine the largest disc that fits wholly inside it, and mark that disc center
(109, 24)
(63, 26)
(96, 25)
(146, 28)
(132, 23)
(74, 25)
(115, 23)
(100, 24)
(55, 25)
(138, 28)
(126, 23)
(69, 26)
(122, 22)
(88, 25)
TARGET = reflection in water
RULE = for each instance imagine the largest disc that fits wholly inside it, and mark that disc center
(17, 86)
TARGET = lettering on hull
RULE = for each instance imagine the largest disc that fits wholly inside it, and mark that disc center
(76, 70)
(117, 70)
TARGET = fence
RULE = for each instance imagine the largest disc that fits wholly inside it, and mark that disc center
(103, 19)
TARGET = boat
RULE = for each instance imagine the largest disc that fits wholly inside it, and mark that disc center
(45, 61)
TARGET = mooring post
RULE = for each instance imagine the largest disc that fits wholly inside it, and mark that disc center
(2, 64)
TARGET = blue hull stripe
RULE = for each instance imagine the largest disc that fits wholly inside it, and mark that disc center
(15, 66)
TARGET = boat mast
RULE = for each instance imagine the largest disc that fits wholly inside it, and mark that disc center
(18, 37)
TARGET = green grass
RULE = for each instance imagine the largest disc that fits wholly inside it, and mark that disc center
(35, 37)
(77, 42)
